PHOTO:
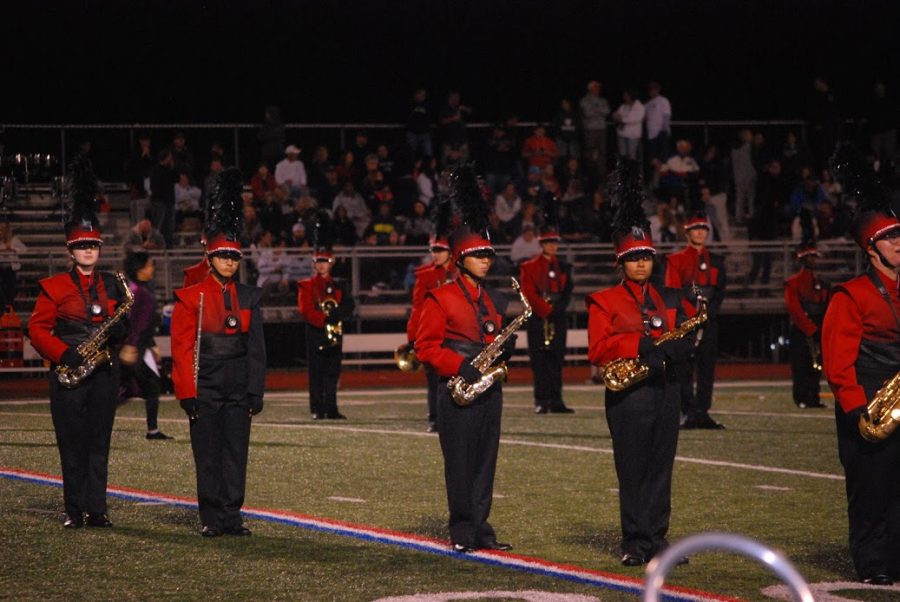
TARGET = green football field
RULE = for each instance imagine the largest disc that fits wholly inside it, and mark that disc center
(773, 475)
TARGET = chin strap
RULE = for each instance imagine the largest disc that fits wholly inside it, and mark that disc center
(882, 258)
(462, 270)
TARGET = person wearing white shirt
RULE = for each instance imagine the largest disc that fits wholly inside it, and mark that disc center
(744, 174)
(290, 171)
(658, 119)
(594, 110)
(187, 196)
(508, 204)
(525, 246)
(629, 118)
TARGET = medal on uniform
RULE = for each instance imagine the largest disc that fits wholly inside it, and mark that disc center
(329, 290)
(231, 322)
(551, 274)
(656, 322)
(817, 285)
(96, 310)
(489, 327)
(703, 266)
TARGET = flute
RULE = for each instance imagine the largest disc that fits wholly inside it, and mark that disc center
(197, 342)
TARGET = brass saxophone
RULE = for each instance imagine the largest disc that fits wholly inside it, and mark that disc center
(463, 393)
(94, 349)
(884, 412)
(625, 372)
(334, 333)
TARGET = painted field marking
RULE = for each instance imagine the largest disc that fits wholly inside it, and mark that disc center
(337, 498)
(772, 488)
(410, 541)
(503, 440)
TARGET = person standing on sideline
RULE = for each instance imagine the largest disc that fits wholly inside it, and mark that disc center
(162, 196)
(458, 321)
(699, 274)
(70, 307)
(658, 116)
(629, 118)
(625, 321)
(806, 297)
(547, 284)
(428, 277)
(594, 111)
(324, 302)
(860, 352)
(139, 356)
(219, 364)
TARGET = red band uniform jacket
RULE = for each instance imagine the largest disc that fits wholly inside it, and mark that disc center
(428, 277)
(806, 298)
(312, 291)
(685, 269)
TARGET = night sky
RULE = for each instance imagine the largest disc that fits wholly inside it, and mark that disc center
(335, 60)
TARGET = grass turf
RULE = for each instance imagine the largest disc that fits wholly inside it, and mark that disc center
(555, 499)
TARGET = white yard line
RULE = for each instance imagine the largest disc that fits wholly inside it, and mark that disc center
(504, 440)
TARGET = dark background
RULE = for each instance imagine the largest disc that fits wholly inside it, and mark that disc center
(126, 62)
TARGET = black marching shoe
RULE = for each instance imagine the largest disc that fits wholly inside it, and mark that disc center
(633, 560)
(239, 531)
(335, 415)
(318, 416)
(463, 548)
(98, 520)
(496, 545)
(73, 521)
(561, 408)
(879, 579)
(158, 436)
(210, 532)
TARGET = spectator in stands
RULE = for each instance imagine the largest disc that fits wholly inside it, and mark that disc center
(215, 167)
(831, 187)
(571, 227)
(539, 149)
(10, 247)
(162, 196)
(794, 157)
(744, 174)
(419, 228)
(144, 237)
(452, 118)
(548, 180)
(424, 175)
(140, 165)
(361, 147)
(217, 151)
(629, 119)
(529, 216)
(290, 173)
(808, 194)
(498, 234)
(567, 127)
(385, 163)
(269, 257)
(372, 181)
(658, 117)
(356, 207)
(348, 170)
(715, 171)
(252, 228)
(573, 184)
(598, 217)
(824, 122)
(271, 137)
(187, 201)
(182, 157)
(679, 174)
(316, 173)
(384, 229)
(508, 208)
(298, 237)
(881, 121)
(270, 214)
(303, 211)
(594, 111)
(263, 182)
(344, 229)
(663, 223)
(331, 187)
(760, 152)
(764, 224)
(827, 220)
(716, 208)
(500, 159)
(418, 125)
(525, 246)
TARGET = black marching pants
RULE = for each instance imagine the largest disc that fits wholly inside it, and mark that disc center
(147, 385)
(434, 381)
(83, 420)
(695, 403)
(547, 362)
(643, 422)
(220, 440)
(805, 378)
(470, 440)
(324, 371)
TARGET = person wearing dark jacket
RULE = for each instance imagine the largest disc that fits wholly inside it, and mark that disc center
(162, 196)
(271, 138)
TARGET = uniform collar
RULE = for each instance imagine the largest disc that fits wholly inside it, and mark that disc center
(474, 289)
(637, 289)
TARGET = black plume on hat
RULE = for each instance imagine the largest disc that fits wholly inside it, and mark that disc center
(627, 197)
(550, 209)
(442, 217)
(83, 190)
(226, 205)
(322, 234)
(465, 192)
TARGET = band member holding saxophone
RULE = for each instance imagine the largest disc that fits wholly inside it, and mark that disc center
(547, 284)
(460, 320)
(861, 351)
(70, 311)
(626, 321)
(428, 277)
(218, 324)
(325, 303)
(699, 273)
(806, 297)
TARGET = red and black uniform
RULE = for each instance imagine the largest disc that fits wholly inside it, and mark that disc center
(861, 349)
(323, 359)
(458, 320)
(196, 273)
(69, 308)
(230, 385)
(547, 284)
(699, 272)
(428, 277)
(806, 297)
(623, 322)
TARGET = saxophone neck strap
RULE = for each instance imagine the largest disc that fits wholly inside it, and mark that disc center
(91, 298)
(645, 307)
(482, 315)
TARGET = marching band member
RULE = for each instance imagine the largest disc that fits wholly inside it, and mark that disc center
(861, 350)
(697, 272)
(624, 321)
(547, 283)
(324, 302)
(458, 320)
(69, 308)
(806, 297)
(219, 364)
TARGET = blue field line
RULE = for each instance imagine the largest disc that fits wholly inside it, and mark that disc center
(534, 566)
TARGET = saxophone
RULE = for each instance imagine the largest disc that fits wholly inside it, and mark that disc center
(884, 412)
(625, 372)
(94, 349)
(333, 332)
(463, 393)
